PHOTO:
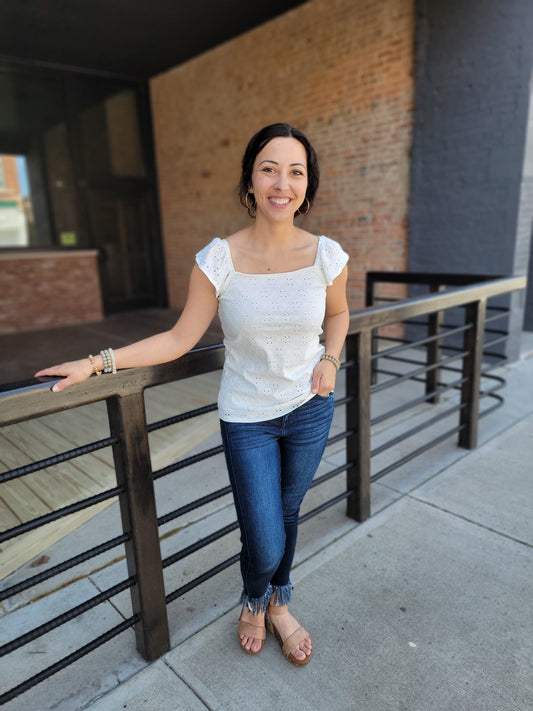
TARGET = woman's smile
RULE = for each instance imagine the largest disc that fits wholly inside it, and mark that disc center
(280, 202)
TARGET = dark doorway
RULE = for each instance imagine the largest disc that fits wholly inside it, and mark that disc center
(119, 220)
(87, 146)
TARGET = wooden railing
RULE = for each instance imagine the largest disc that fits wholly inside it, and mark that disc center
(135, 478)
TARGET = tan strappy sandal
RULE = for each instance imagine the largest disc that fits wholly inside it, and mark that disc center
(293, 640)
(255, 631)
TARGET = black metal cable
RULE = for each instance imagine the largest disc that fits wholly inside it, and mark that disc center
(329, 475)
(202, 543)
(415, 430)
(412, 374)
(416, 452)
(176, 466)
(62, 567)
(57, 459)
(418, 401)
(202, 578)
(65, 617)
(406, 345)
(328, 504)
(192, 505)
(496, 406)
(68, 660)
(60, 513)
(208, 498)
(175, 419)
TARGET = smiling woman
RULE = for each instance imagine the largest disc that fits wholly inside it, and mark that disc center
(277, 288)
(265, 137)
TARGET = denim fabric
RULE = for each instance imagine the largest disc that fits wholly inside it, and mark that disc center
(271, 465)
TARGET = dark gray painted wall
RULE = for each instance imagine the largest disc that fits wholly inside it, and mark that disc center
(525, 218)
(474, 62)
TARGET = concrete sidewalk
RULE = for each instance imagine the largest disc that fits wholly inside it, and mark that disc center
(426, 606)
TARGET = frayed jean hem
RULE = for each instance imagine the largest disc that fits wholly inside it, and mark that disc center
(257, 604)
(281, 594)
(275, 594)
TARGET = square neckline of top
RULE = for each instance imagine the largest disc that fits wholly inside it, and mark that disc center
(261, 274)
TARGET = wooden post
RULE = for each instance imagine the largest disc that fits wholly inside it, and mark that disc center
(358, 376)
(434, 349)
(472, 364)
(370, 289)
(127, 421)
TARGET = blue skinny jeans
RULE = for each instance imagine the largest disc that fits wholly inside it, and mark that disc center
(271, 465)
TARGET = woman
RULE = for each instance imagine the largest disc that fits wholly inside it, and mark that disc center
(275, 287)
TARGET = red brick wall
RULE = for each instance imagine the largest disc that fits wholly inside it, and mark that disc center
(340, 70)
(48, 289)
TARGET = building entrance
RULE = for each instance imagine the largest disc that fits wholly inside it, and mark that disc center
(84, 147)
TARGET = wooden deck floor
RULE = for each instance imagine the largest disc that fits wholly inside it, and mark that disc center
(41, 492)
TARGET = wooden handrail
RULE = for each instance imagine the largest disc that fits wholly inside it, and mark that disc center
(24, 401)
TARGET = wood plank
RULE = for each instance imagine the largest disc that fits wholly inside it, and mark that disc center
(22, 501)
(12, 456)
(36, 437)
(59, 488)
(62, 484)
(35, 494)
(81, 424)
(7, 517)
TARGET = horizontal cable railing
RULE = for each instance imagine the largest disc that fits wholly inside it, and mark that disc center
(447, 349)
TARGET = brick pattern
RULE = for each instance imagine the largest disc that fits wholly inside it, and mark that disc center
(341, 71)
(45, 291)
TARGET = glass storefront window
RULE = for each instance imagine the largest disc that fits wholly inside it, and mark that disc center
(16, 212)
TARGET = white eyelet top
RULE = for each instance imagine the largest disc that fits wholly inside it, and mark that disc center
(272, 325)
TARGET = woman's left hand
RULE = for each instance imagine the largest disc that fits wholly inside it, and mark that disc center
(324, 375)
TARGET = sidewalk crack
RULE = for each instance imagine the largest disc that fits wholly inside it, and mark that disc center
(469, 520)
(184, 681)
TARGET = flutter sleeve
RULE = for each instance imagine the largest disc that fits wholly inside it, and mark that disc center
(333, 259)
(215, 263)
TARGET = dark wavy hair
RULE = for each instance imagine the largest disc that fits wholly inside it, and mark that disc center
(256, 145)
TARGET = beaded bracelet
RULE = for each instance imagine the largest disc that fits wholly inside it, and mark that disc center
(106, 361)
(108, 358)
(333, 360)
(113, 362)
(95, 369)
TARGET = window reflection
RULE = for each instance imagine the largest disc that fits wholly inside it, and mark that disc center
(16, 212)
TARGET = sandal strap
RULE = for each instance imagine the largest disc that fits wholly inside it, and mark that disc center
(294, 640)
(255, 631)
(277, 610)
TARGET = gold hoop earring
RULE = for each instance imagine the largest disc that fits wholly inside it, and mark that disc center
(299, 212)
(250, 208)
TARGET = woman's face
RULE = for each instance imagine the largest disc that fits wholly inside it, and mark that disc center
(279, 178)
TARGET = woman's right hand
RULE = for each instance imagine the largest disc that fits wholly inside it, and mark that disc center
(75, 371)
